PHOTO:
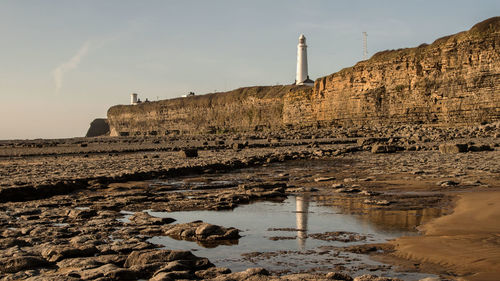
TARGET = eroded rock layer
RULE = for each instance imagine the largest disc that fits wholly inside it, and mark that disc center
(455, 80)
(241, 109)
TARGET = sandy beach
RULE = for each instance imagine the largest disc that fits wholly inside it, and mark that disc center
(466, 242)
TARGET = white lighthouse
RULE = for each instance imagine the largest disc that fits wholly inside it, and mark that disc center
(302, 77)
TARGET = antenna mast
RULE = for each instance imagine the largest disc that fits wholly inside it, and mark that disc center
(365, 47)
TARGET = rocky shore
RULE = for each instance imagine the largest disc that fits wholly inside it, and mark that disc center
(80, 209)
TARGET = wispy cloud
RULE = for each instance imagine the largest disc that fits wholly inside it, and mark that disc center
(59, 72)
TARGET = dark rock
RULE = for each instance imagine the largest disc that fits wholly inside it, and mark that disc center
(368, 277)
(447, 183)
(98, 127)
(238, 146)
(338, 276)
(483, 147)
(189, 152)
(380, 148)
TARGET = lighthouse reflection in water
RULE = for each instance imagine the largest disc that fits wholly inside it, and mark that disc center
(301, 212)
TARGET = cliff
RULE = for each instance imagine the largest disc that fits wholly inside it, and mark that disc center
(98, 127)
(455, 80)
(248, 108)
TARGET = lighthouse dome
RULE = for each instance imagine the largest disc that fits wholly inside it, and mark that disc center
(302, 38)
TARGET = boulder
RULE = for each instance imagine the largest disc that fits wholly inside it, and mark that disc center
(201, 232)
(206, 229)
(448, 148)
(189, 152)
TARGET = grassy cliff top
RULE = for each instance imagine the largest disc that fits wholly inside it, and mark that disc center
(482, 30)
(208, 100)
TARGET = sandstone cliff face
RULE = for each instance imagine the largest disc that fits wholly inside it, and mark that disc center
(238, 110)
(455, 80)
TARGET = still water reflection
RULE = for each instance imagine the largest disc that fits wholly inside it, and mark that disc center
(276, 235)
(301, 213)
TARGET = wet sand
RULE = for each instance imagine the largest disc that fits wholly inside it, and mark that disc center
(466, 242)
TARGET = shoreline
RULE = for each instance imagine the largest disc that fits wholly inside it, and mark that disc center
(464, 242)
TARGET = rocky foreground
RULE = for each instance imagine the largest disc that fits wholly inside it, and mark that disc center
(75, 209)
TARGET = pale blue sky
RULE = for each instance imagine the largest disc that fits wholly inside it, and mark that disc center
(65, 62)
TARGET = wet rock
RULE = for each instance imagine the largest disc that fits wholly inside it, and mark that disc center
(81, 214)
(320, 179)
(172, 275)
(11, 242)
(337, 185)
(35, 276)
(80, 263)
(368, 277)
(162, 256)
(261, 186)
(347, 190)
(377, 202)
(212, 272)
(254, 273)
(15, 264)
(369, 193)
(143, 218)
(199, 231)
(342, 236)
(125, 247)
(447, 148)
(430, 279)
(110, 271)
(447, 183)
(60, 252)
(173, 266)
(380, 148)
(206, 229)
(145, 263)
